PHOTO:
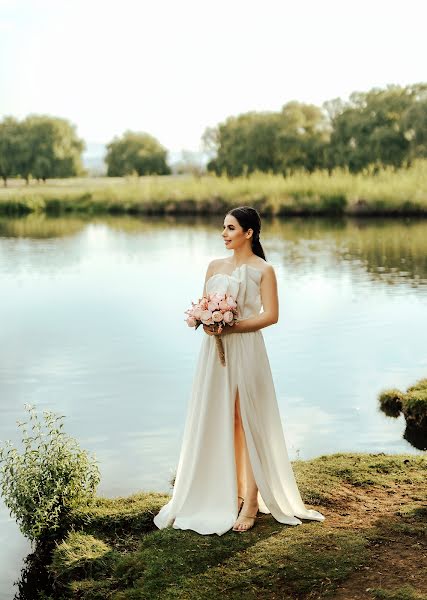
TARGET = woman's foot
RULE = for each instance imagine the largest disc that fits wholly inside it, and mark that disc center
(246, 520)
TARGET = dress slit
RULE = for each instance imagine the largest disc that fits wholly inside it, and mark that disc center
(236, 480)
(246, 436)
(237, 391)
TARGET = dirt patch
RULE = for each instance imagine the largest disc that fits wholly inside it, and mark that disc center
(393, 563)
(360, 507)
(396, 558)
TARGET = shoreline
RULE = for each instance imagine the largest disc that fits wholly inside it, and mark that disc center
(391, 193)
(291, 207)
(370, 545)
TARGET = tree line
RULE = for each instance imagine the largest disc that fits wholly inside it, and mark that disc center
(44, 147)
(371, 130)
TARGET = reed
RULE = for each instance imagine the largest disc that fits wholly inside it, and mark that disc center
(388, 192)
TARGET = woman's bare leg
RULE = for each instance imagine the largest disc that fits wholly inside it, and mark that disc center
(247, 482)
(239, 450)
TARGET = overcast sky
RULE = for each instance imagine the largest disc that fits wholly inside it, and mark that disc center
(173, 68)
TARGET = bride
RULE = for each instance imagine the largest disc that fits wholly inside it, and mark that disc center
(234, 462)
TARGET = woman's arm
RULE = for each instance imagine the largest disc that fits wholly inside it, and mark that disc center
(270, 303)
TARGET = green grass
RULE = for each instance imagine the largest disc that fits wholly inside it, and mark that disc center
(412, 403)
(113, 550)
(387, 193)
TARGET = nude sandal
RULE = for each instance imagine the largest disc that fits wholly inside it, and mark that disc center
(250, 526)
(241, 506)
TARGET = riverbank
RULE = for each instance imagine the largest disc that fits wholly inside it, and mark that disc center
(372, 543)
(388, 193)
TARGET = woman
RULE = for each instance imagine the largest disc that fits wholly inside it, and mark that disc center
(234, 461)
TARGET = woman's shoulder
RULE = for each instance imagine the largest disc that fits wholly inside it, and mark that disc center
(215, 265)
(258, 263)
(216, 261)
(261, 264)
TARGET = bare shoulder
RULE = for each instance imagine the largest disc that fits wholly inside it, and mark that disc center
(214, 266)
(215, 263)
(266, 268)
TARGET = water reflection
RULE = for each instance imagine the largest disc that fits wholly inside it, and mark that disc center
(389, 250)
(39, 226)
(416, 435)
(93, 327)
(35, 581)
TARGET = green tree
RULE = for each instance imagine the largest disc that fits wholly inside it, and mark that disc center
(304, 132)
(10, 137)
(414, 123)
(375, 128)
(138, 153)
(245, 143)
(269, 141)
(370, 129)
(54, 149)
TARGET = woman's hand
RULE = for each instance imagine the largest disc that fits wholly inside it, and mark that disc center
(225, 330)
(209, 331)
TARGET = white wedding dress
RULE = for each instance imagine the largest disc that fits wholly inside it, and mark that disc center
(204, 497)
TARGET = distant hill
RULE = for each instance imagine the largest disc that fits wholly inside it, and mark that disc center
(93, 159)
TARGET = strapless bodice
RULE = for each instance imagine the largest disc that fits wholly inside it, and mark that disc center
(244, 285)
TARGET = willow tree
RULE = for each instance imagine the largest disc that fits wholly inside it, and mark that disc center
(276, 142)
(55, 148)
(136, 153)
(379, 127)
(40, 146)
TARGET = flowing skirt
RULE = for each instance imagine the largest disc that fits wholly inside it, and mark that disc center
(204, 496)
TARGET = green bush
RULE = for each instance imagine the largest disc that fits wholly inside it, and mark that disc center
(48, 479)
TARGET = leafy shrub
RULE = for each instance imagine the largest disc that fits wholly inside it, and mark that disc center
(48, 479)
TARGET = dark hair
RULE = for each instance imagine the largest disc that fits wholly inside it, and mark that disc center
(249, 218)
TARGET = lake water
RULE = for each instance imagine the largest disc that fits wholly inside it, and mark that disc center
(93, 328)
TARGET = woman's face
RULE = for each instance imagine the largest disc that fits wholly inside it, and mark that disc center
(233, 234)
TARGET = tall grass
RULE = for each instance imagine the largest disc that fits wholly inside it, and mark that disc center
(388, 192)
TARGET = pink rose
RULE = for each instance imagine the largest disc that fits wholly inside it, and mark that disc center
(217, 316)
(231, 302)
(206, 317)
(213, 305)
(197, 312)
(228, 316)
(223, 305)
(191, 322)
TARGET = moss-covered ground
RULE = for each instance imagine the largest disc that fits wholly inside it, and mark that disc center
(372, 543)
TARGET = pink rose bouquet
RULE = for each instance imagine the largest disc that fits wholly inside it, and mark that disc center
(217, 311)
